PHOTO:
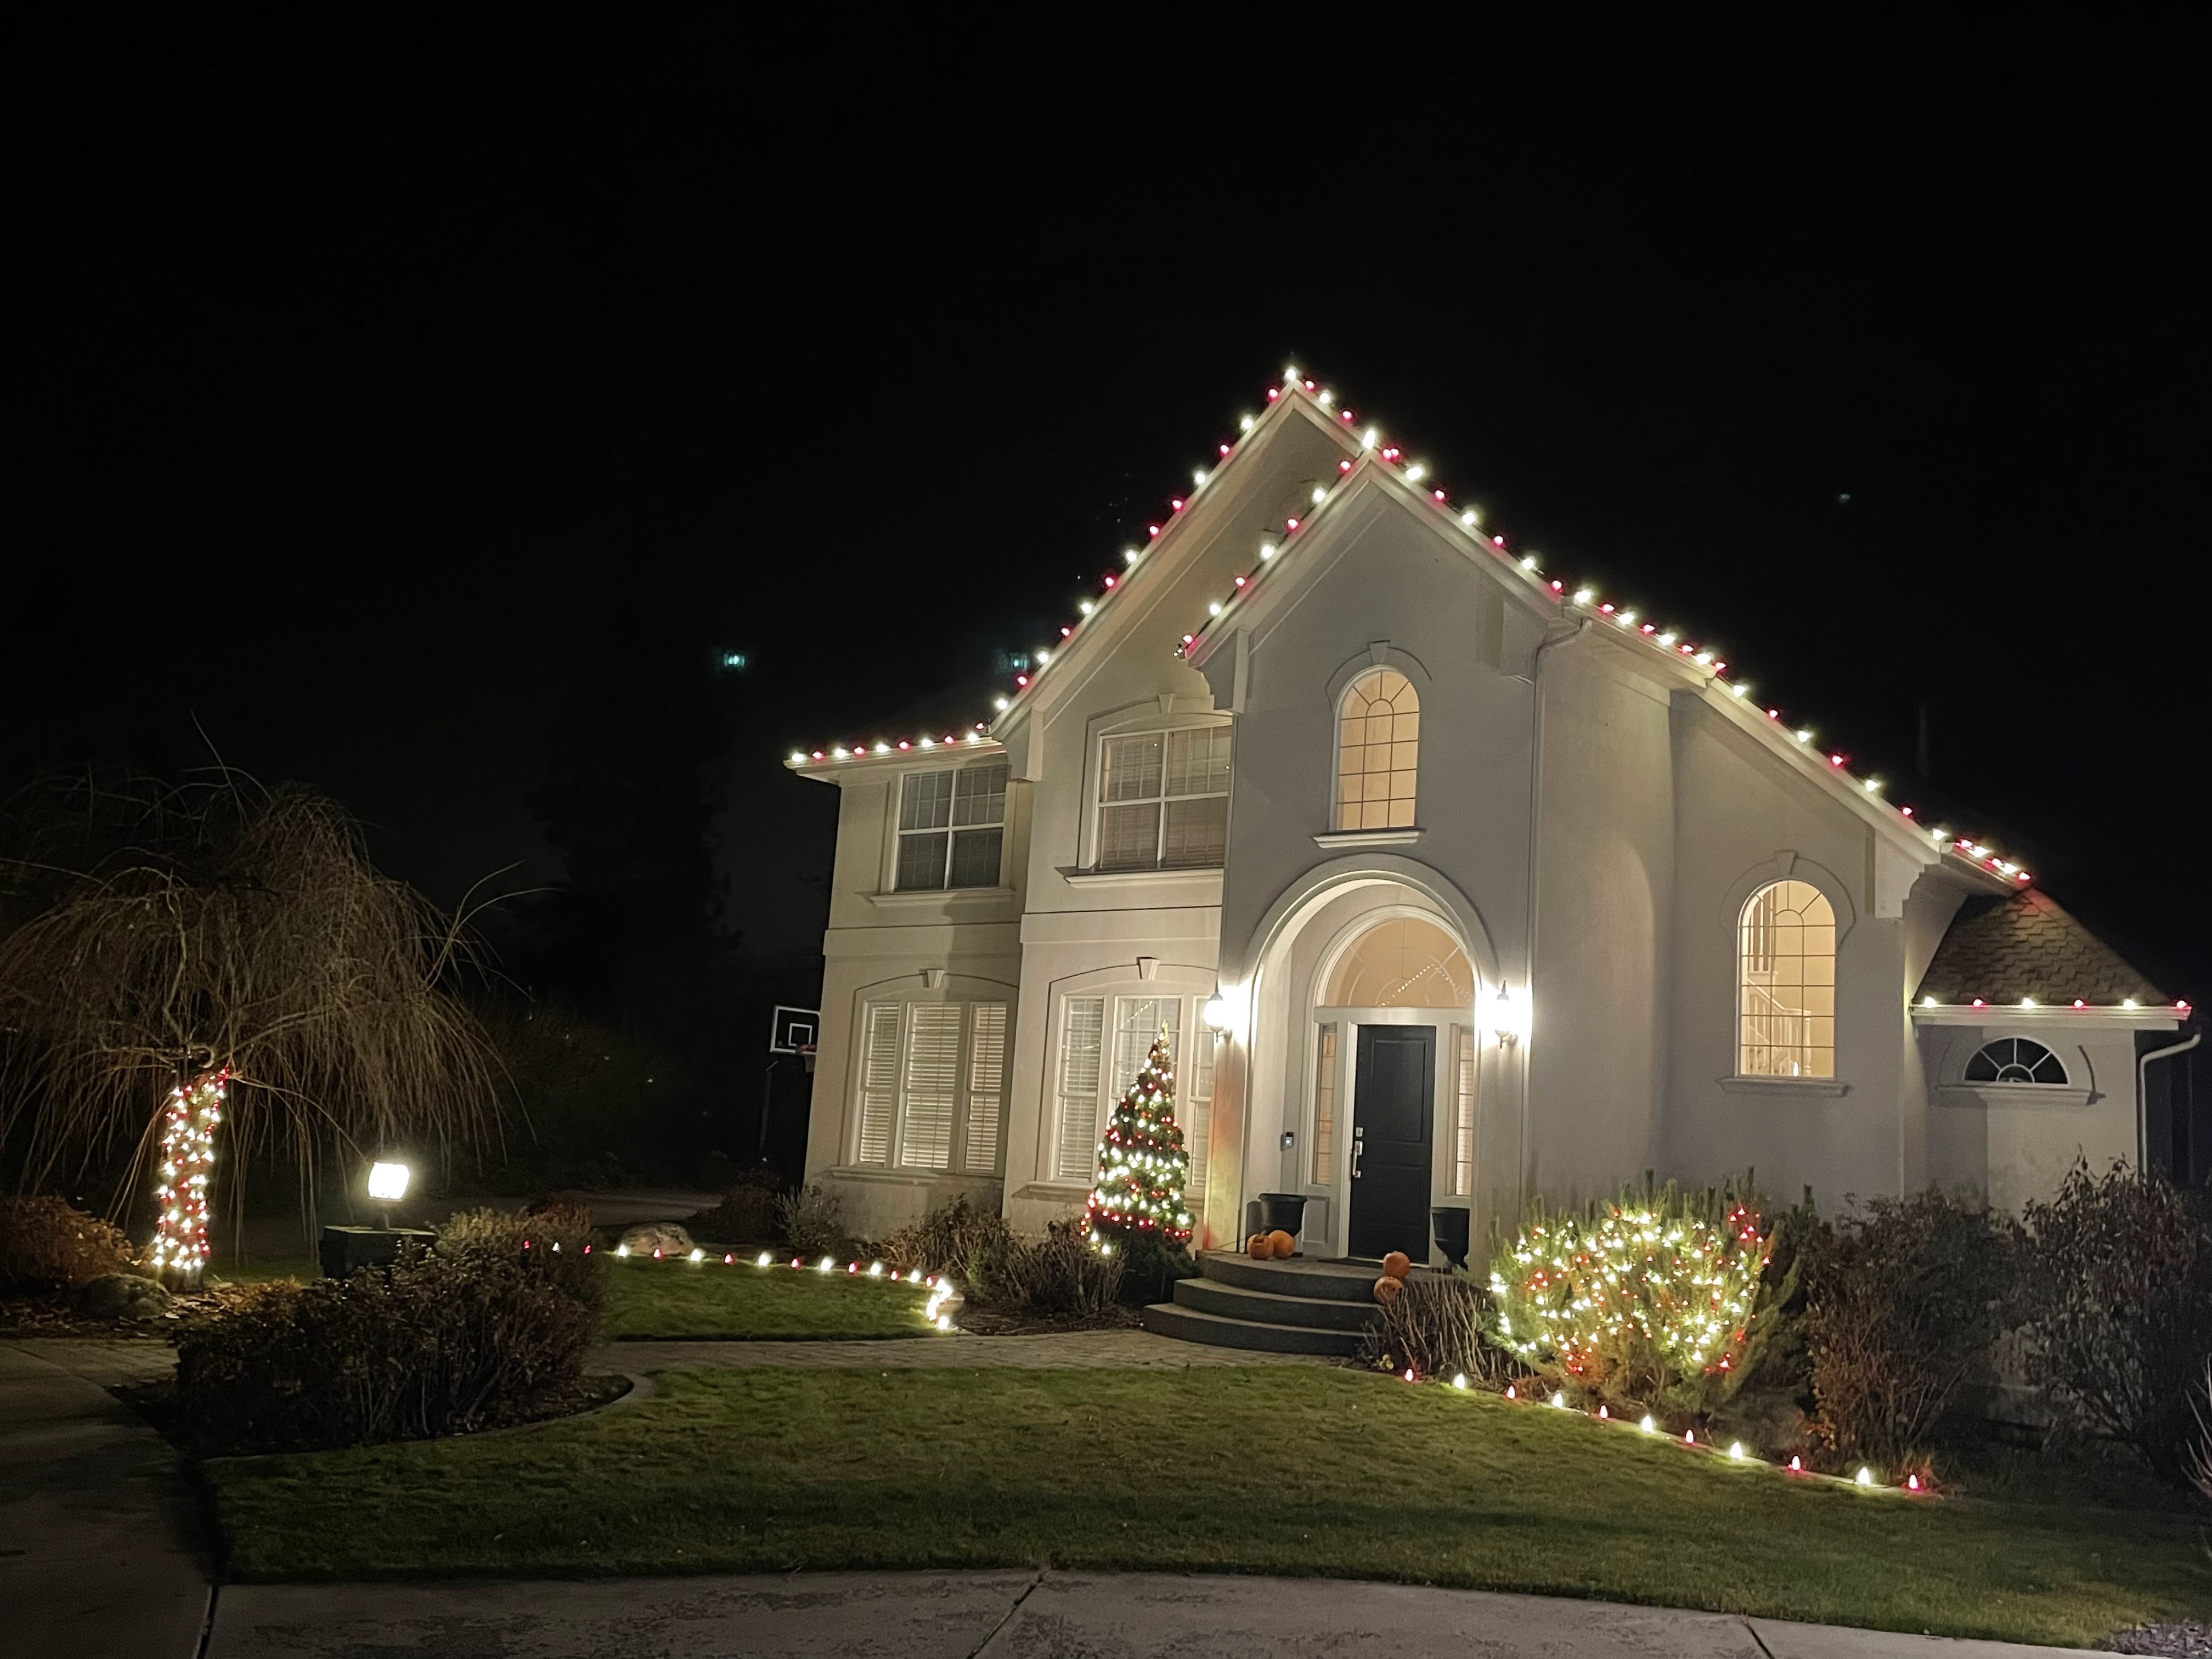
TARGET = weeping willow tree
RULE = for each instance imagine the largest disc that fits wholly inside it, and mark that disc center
(215, 965)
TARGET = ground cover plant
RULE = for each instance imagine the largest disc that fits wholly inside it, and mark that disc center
(1290, 1469)
(741, 1302)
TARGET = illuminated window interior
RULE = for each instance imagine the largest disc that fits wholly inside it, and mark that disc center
(2015, 1060)
(1405, 961)
(1377, 750)
(1786, 982)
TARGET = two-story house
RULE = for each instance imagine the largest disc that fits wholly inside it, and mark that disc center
(1451, 881)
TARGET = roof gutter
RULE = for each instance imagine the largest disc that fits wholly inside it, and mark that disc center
(2142, 1096)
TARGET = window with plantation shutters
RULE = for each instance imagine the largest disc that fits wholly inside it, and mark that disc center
(879, 1069)
(1164, 799)
(986, 1085)
(1082, 1033)
(932, 1085)
(1194, 1105)
(1463, 1075)
(951, 828)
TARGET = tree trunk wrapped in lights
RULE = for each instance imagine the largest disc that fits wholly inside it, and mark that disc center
(1142, 1163)
(222, 955)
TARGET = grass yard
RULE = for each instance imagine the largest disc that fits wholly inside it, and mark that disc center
(1291, 1470)
(647, 1298)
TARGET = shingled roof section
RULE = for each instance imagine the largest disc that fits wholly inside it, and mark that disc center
(2022, 946)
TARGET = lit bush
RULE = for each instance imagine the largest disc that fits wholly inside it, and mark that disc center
(1901, 1301)
(2117, 1287)
(1657, 1295)
(48, 1246)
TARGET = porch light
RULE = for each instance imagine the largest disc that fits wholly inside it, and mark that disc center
(388, 1182)
(1225, 1008)
(1505, 1019)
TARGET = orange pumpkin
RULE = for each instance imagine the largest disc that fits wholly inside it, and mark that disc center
(1389, 1289)
(1397, 1265)
(1282, 1244)
(1257, 1246)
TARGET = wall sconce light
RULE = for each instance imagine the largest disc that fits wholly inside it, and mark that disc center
(1505, 1019)
(1224, 1009)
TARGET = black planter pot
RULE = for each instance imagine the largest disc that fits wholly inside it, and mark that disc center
(1287, 1211)
(1448, 1227)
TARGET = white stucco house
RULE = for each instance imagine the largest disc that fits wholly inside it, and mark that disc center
(1492, 887)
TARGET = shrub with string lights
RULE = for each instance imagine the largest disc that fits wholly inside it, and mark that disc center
(1657, 1295)
(1142, 1163)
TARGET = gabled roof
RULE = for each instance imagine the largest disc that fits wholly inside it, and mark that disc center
(2025, 949)
(1366, 449)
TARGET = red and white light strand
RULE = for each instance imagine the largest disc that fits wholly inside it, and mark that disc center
(187, 1168)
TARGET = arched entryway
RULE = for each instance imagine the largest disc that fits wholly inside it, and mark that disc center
(1364, 1064)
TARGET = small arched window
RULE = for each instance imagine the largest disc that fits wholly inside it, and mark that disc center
(1786, 982)
(2015, 1060)
(1378, 733)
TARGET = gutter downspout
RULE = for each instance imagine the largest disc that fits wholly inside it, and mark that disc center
(1536, 815)
(2142, 1096)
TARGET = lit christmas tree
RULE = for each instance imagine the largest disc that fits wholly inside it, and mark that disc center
(1137, 1191)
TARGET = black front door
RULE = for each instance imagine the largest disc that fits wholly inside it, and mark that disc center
(1394, 1108)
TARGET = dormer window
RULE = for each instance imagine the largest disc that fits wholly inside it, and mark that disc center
(952, 827)
(2015, 1060)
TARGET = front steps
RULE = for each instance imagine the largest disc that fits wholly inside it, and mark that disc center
(1299, 1306)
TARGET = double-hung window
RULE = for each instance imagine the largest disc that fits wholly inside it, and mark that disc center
(952, 827)
(932, 1085)
(1164, 799)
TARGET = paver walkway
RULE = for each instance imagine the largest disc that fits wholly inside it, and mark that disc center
(1006, 1615)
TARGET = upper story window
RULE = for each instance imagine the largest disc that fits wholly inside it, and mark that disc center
(1378, 733)
(952, 827)
(1164, 799)
(2015, 1060)
(1786, 982)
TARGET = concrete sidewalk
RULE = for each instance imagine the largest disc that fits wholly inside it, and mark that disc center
(1005, 1615)
(100, 1547)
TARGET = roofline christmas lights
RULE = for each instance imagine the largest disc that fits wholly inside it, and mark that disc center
(1669, 642)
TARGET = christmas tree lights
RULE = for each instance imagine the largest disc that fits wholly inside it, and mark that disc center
(1142, 1163)
(188, 1124)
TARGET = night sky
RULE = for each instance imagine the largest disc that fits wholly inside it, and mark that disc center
(367, 382)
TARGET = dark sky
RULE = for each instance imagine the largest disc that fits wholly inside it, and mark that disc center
(363, 375)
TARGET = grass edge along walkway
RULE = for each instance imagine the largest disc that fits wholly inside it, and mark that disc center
(1303, 1472)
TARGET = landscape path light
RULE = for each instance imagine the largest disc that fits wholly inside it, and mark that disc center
(387, 1185)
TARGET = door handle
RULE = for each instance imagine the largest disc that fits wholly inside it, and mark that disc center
(1357, 1147)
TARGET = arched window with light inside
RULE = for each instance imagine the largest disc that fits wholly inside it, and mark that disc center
(2016, 1060)
(1378, 739)
(1786, 982)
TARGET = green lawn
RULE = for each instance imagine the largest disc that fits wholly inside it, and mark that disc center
(648, 1298)
(1289, 1470)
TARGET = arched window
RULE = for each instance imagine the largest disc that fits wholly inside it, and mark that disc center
(2015, 1060)
(1402, 962)
(1786, 982)
(1378, 733)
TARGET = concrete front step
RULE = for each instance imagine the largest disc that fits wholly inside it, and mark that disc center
(1190, 1325)
(1324, 1281)
(1271, 1307)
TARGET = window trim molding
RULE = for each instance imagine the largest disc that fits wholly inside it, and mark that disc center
(900, 898)
(1335, 840)
(2015, 1096)
(1782, 1087)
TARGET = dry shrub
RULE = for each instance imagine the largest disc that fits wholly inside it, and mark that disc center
(1434, 1329)
(1063, 1273)
(437, 1344)
(957, 1238)
(553, 1243)
(813, 1222)
(2117, 1290)
(1900, 1304)
(746, 1215)
(47, 1246)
